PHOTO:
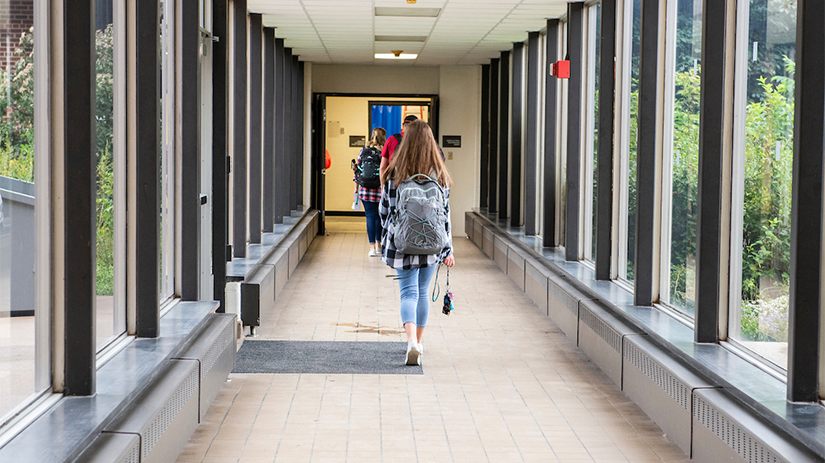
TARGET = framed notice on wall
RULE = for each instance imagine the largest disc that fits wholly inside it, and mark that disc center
(451, 141)
(357, 141)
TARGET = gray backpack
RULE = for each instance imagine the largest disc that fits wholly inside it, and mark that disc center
(420, 219)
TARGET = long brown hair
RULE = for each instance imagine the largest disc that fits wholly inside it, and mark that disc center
(379, 137)
(418, 153)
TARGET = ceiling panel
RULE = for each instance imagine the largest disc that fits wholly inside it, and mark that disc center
(465, 31)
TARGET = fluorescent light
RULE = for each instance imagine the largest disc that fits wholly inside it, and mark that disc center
(400, 38)
(411, 12)
(392, 56)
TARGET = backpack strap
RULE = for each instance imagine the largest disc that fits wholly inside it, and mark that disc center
(397, 137)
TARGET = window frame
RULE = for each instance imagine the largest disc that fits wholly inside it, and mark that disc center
(588, 137)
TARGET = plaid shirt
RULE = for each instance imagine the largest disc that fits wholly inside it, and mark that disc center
(370, 195)
(389, 254)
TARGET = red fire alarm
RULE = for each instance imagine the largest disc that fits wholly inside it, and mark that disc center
(561, 69)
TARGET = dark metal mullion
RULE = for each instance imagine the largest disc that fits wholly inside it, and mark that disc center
(515, 148)
(281, 208)
(711, 160)
(220, 99)
(550, 122)
(79, 164)
(147, 164)
(255, 126)
(504, 133)
(532, 131)
(806, 205)
(485, 135)
(286, 120)
(188, 52)
(239, 118)
(295, 137)
(492, 188)
(604, 154)
(269, 173)
(646, 146)
(575, 50)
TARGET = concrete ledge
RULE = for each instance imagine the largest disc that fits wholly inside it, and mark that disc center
(535, 284)
(601, 337)
(487, 244)
(164, 414)
(724, 431)
(113, 448)
(515, 266)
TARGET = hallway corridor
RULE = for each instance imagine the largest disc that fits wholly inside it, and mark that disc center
(501, 383)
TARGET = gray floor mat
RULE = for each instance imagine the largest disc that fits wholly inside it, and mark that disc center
(324, 357)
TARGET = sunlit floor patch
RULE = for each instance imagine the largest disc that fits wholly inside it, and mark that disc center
(324, 357)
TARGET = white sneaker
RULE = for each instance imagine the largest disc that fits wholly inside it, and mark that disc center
(373, 253)
(413, 354)
(421, 348)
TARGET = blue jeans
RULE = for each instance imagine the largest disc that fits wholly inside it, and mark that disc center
(373, 221)
(415, 289)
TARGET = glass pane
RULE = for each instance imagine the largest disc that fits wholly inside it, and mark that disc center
(17, 215)
(634, 104)
(562, 137)
(167, 171)
(106, 324)
(684, 157)
(595, 35)
(761, 321)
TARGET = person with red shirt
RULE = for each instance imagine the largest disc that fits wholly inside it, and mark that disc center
(391, 144)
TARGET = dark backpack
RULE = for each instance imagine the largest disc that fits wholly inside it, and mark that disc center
(367, 171)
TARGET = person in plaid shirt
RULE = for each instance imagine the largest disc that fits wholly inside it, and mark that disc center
(417, 154)
(371, 196)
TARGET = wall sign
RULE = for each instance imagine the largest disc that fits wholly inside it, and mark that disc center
(357, 141)
(451, 141)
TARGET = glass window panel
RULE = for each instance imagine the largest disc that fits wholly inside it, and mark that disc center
(627, 264)
(167, 161)
(683, 159)
(759, 316)
(562, 141)
(110, 311)
(592, 136)
(17, 214)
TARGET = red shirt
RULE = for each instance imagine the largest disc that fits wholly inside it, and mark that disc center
(389, 147)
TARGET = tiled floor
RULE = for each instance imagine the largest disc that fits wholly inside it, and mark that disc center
(501, 383)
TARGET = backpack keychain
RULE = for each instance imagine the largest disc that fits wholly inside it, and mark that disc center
(448, 297)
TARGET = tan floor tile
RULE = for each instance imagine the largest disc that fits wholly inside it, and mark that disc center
(501, 383)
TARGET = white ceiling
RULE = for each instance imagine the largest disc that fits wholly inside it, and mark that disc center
(465, 32)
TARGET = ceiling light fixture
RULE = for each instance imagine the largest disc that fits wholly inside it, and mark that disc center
(411, 2)
(396, 54)
(407, 12)
(400, 38)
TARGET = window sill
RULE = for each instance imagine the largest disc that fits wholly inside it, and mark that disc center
(49, 439)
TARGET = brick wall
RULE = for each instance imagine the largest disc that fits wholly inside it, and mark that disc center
(16, 17)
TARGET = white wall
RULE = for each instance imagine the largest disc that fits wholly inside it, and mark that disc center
(460, 106)
(459, 91)
(375, 79)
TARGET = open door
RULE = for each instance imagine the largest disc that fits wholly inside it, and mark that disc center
(319, 118)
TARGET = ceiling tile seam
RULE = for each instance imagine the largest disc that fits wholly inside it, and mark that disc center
(493, 28)
(316, 29)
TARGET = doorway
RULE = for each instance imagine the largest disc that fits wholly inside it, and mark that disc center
(345, 129)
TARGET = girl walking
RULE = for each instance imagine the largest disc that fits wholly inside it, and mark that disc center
(417, 155)
(368, 187)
